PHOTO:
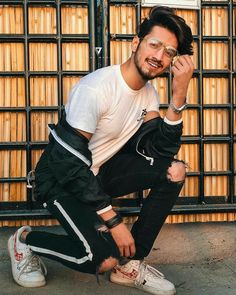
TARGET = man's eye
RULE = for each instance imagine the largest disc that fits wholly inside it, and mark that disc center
(170, 53)
(152, 44)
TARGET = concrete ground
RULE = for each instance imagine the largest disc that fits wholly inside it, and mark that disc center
(200, 259)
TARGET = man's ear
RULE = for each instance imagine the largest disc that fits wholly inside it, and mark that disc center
(135, 43)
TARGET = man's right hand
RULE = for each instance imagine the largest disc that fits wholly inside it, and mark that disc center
(124, 240)
(121, 235)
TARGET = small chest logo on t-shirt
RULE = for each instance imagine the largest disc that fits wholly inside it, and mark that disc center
(142, 115)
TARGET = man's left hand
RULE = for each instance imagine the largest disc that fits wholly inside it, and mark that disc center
(182, 70)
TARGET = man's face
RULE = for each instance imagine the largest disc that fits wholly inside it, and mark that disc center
(150, 61)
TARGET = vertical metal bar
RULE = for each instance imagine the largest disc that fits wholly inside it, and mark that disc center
(27, 94)
(200, 92)
(59, 57)
(233, 7)
(138, 14)
(231, 123)
(105, 33)
(140, 194)
(92, 45)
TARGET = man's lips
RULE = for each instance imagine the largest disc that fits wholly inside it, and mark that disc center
(154, 64)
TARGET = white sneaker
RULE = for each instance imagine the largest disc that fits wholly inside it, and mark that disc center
(140, 275)
(28, 270)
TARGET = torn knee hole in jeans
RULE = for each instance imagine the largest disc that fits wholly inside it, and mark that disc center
(178, 174)
(101, 271)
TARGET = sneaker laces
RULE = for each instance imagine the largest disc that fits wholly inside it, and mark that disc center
(146, 271)
(31, 263)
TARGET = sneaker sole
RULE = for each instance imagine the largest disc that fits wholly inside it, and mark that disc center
(122, 281)
(23, 284)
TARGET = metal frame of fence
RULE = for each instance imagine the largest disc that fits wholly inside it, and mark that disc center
(99, 38)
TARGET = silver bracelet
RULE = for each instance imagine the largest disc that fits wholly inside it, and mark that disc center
(178, 110)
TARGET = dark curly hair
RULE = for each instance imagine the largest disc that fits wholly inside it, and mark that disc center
(165, 17)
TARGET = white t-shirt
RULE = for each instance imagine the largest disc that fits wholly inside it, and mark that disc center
(103, 104)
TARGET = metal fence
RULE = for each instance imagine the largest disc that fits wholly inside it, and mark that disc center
(81, 36)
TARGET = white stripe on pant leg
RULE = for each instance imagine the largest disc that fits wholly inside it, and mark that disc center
(76, 230)
(62, 256)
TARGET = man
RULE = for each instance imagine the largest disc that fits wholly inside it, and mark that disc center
(111, 142)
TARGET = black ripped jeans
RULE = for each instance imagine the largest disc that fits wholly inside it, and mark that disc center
(84, 247)
(126, 173)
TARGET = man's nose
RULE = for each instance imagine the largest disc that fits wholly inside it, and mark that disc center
(159, 54)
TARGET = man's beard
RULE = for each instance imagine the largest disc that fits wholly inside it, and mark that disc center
(146, 75)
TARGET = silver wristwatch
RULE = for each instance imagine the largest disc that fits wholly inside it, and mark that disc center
(178, 110)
